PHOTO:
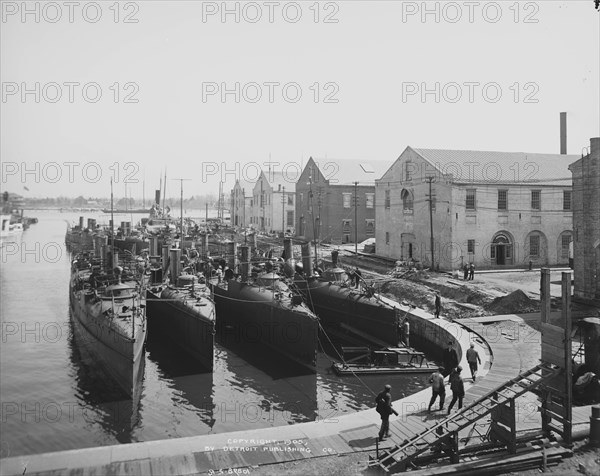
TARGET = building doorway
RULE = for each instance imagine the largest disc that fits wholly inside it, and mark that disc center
(501, 252)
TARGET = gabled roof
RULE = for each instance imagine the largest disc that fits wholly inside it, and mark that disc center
(279, 180)
(472, 166)
(246, 186)
(348, 171)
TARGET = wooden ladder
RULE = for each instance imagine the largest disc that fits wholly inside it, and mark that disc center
(445, 432)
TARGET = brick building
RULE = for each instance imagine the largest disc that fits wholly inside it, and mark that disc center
(494, 209)
(586, 223)
(325, 198)
(241, 203)
(273, 198)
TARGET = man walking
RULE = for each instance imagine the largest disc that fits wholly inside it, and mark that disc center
(466, 272)
(438, 304)
(458, 388)
(385, 409)
(437, 388)
(450, 359)
(473, 359)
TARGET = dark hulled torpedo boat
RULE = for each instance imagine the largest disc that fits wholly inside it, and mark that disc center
(339, 304)
(263, 310)
(181, 307)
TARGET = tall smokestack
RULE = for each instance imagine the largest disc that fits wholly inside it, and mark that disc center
(157, 197)
(563, 133)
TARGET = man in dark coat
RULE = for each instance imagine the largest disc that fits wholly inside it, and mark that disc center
(438, 304)
(385, 409)
(458, 388)
(471, 272)
(466, 271)
(450, 359)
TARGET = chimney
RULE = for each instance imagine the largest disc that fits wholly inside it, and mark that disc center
(563, 133)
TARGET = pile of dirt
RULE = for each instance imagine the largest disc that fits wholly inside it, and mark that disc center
(513, 303)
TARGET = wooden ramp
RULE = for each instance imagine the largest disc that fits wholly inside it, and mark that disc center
(444, 434)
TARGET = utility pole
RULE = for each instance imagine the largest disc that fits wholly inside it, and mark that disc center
(356, 218)
(283, 211)
(430, 200)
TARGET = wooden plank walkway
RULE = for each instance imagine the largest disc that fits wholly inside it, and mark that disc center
(351, 433)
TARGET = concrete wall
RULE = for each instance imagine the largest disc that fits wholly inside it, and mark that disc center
(454, 225)
(518, 222)
(328, 205)
(397, 228)
(586, 221)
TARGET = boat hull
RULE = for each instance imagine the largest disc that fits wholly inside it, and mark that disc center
(257, 318)
(191, 327)
(338, 306)
(120, 357)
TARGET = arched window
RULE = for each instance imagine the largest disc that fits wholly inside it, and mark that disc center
(407, 200)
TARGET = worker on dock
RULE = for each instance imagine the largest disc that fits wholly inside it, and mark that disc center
(438, 304)
(450, 359)
(473, 359)
(357, 277)
(437, 388)
(385, 409)
(406, 332)
(458, 388)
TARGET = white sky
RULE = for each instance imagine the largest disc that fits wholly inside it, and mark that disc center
(371, 53)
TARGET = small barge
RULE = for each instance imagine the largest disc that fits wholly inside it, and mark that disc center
(391, 360)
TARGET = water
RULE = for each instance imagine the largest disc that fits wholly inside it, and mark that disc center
(52, 398)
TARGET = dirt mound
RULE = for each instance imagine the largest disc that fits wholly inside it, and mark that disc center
(515, 302)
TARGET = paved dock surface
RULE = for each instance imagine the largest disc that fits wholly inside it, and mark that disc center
(209, 454)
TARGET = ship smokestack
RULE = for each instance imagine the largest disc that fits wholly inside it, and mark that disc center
(289, 267)
(91, 224)
(204, 245)
(245, 264)
(104, 255)
(307, 259)
(334, 258)
(154, 246)
(175, 264)
(232, 255)
(165, 259)
(81, 223)
(115, 257)
(157, 197)
(563, 133)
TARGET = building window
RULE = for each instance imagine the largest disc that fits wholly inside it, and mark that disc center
(290, 218)
(408, 169)
(565, 242)
(566, 199)
(536, 199)
(387, 199)
(346, 224)
(502, 199)
(347, 199)
(370, 200)
(290, 199)
(407, 200)
(387, 237)
(470, 202)
(470, 246)
(534, 245)
(370, 227)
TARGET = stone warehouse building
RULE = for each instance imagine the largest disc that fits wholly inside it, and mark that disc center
(493, 209)
(326, 195)
(586, 223)
(273, 198)
(241, 203)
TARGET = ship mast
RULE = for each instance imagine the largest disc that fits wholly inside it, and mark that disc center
(112, 225)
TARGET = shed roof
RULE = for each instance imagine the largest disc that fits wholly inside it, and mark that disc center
(472, 166)
(348, 171)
